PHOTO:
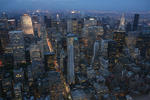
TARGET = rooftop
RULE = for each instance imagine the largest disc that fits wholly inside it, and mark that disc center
(14, 32)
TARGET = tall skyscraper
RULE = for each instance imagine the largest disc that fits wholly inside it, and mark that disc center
(95, 50)
(122, 23)
(4, 39)
(1, 49)
(26, 23)
(72, 26)
(17, 44)
(70, 62)
(69, 26)
(109, 51)
(128, 27)
(104, 47)
(58, 19)
(47, 21)
(75, 26)
(136, 22)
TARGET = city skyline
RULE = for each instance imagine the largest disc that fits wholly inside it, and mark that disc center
(74, 50)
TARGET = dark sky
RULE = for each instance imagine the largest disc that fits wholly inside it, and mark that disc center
(116, 5)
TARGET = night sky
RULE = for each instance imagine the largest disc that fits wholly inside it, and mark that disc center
(116, 5)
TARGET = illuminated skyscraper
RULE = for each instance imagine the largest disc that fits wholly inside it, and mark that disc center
(58, 19)
(122, 23)
(26, 23)
(70, 62)
(17, 44)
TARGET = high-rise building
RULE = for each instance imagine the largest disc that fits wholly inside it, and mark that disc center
(26, 23)
(119, 37)
(35, 53)
(90, 22)
(70, 62)
(75, 26)
(80, 26)
(143, 44)
(61, 61)
(37, 29)
(4, 37)
(122, 23)
(1, 49)
(128, 27)
(109, 51)
(108, 48)
(11, 24)
(95, 50)
(93, 31)
(36, 26)
(17, 44)
(3, 24)
(72, 26)
(69, 26)
(58, 19)
(49, 61)
(47, 21)
(136, 22)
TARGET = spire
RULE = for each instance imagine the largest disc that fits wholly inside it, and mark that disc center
(122, 23)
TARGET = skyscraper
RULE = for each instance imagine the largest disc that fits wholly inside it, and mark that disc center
(72, 26)
(70, 62)
(17, 44)
(26, 23)
(47, 21)
(95, 51)
(69, 26)
(119, 37)
(1, 49)
(122, 23)
(35, 53)
(135, 22)
(128, 27)
(109, 51)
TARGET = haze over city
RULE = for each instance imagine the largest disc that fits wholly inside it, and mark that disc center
(113, 5)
